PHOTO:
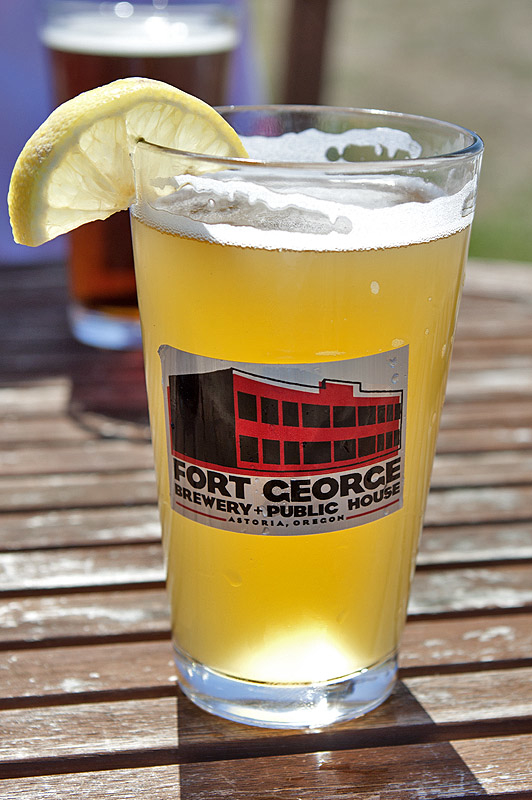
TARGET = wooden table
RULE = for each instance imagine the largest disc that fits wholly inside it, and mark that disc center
(89, 704)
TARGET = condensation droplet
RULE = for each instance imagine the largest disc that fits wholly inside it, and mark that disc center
(375, 287)
(443, 350)
(234, 579)
(429, 299)
(427, 331)
(395, 377)
(392, 362)
(398, 342)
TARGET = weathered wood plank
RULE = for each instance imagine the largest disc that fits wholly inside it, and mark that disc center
(78, 567)
(173, 721)
(467, 544)
(85, 490)
(427, 771)
(95, 728)
(78, 671)
(500, 764)
(42, 429)
(138, 724)
(431, 771)
(455, 589)
(155, 783)
(79, 527)
(479, 351)
(482, 469)
(432, 644)
(483, 439)
(490, 359)
(471, 589)
(472, 696)
(92, 615)
(49, 396)
(479, 505)
(88, 456)
(513, 382)
(507, 279)
(129, 612)
(486, 414)
(81, 671)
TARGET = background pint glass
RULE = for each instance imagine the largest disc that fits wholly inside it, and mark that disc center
(91, 44)
(298, 311)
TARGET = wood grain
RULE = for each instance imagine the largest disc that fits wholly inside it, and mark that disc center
(89, 704)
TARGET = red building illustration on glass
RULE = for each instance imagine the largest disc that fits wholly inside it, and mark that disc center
(231, 418)
(287, 428)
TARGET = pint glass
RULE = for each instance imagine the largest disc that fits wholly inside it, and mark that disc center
(91, 44)
(298, 311)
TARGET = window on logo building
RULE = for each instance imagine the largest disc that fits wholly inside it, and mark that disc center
(367, 415)
(290, 414)
(389, 440)
(315, 416)
(344, 416)
(345, 449)
(398, 411)
(380, 442)
(390, 413)
(291, 453)
(366, 446)
(249, 449)
(271, 451)
(247, 406)
(269, 411)
(316, 452)
(381, 414)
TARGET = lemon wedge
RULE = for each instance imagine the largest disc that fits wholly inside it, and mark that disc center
(76, 167)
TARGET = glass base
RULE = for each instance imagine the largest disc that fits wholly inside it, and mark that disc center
(314, 705)
(108, 331)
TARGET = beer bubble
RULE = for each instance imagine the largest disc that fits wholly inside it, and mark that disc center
(234, 579)
(123, 10)
(375, 287)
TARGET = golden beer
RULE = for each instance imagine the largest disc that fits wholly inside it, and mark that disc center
(324, 605)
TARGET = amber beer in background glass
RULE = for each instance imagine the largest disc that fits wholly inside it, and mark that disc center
(298, 312)
(91, 44)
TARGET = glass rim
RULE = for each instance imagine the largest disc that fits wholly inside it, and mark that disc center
(472, 151)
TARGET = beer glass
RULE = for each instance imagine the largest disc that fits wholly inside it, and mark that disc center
(298, 310)
(91, 44)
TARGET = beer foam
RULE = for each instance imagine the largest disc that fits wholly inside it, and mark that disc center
(330, 212)
(174, 32)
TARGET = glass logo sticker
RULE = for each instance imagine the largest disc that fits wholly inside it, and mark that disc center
(285, 449)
